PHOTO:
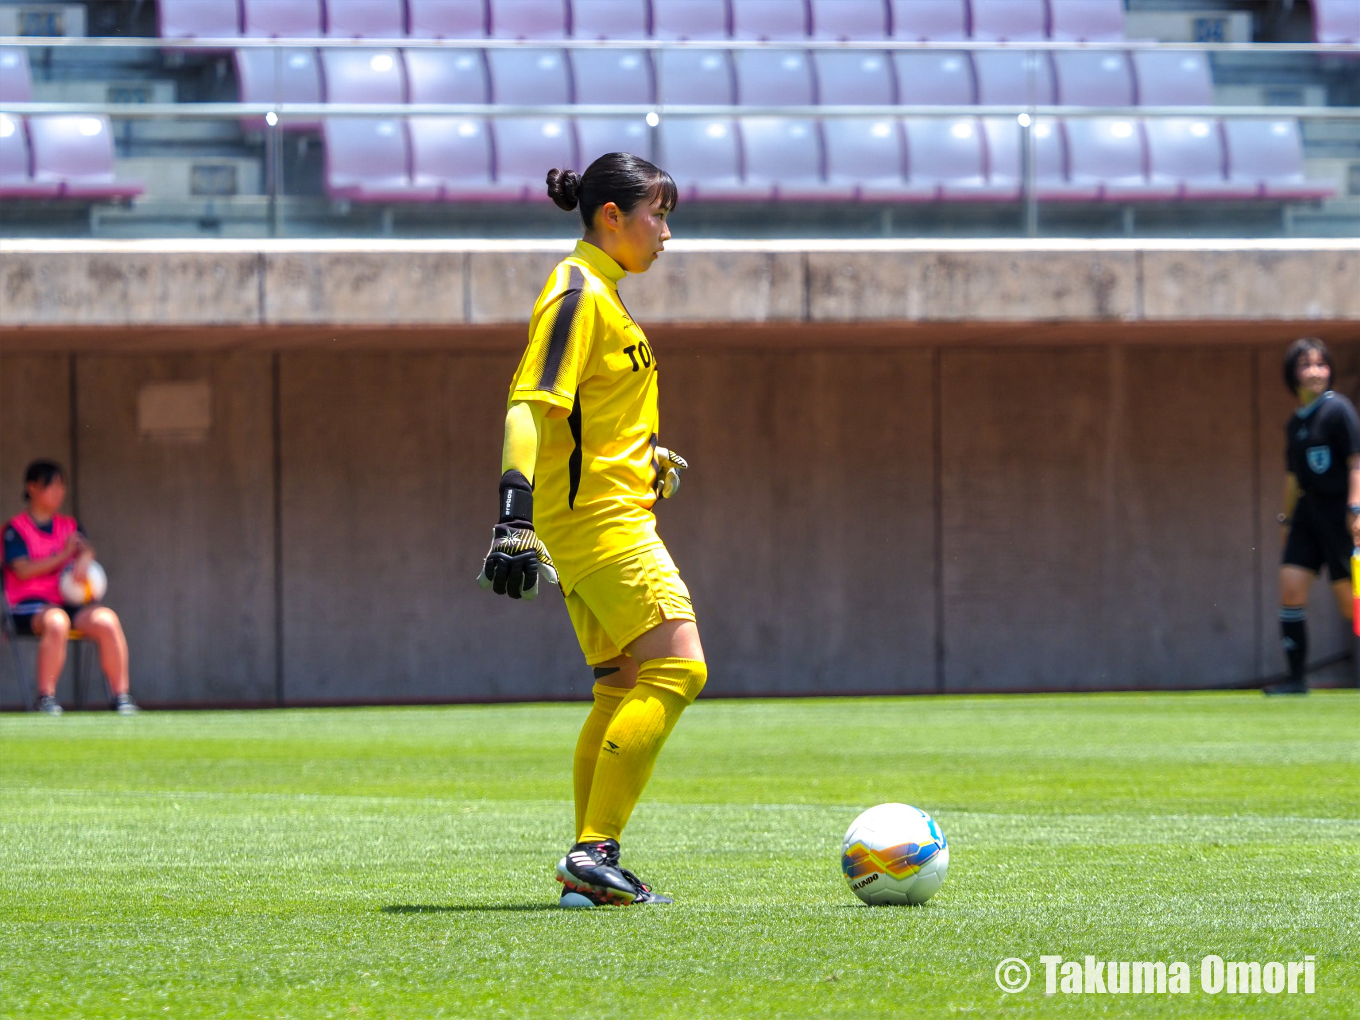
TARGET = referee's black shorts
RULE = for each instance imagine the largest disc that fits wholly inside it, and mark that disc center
(1319, 535)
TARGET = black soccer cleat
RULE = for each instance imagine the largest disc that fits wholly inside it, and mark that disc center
(124, 705)
(49, 705)
(590, 872)
(1286, 687)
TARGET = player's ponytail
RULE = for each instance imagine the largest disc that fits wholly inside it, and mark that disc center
(618, 177)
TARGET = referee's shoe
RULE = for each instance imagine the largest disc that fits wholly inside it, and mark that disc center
(1286, 687)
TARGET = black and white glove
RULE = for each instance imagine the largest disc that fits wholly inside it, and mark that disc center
(669, 464)
(517, 556)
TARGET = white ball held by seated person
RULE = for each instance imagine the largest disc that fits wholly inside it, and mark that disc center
(91, 589)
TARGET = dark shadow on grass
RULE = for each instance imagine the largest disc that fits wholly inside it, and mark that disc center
(458, 908)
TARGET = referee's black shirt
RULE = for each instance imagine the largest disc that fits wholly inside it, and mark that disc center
(1322, 438)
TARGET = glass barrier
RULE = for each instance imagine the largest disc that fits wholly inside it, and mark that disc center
(237, 137)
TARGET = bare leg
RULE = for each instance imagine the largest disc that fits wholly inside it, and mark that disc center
(673, 639)
(51, 626)
(1345, 599)
(104, 627)
(623, 673)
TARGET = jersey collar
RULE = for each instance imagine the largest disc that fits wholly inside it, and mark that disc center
(1304, 412)
(600, 262)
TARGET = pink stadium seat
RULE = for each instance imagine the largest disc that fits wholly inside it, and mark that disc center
(363, 76)
(612, 76)
(366, 19)
(281, 19)
(689, 19)
(1267, 155)
(279, 76)
(529, 76)
(1004, 78)
(446, 76)
(774, 78)
(16, 79)
(77, 152)
(1336, 21)
(1004, 160)
(1173, 78)
(609, 19)
(447, 19)
(1093, 78)
(1011, 20)
(854, 76)
(769, 19)
(1086, 20)
(934, 78)
(199, 19)
(527, 148)
(452, 156)
(529, 19)
(369, 160)
(704, 158)
(16, 178)
(597, 135)
(1109, 152)
(937, 20)
(783, 159)
(849, 19)
(946, 158)
(1188, 153)
(696, 77)
(864, 154)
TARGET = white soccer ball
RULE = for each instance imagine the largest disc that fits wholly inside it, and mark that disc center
(894, 853)
(79, 593)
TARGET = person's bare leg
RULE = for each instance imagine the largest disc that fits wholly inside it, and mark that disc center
(104, 627)
(1345, 599)
(51, 627)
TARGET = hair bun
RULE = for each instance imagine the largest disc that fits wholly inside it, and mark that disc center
(564, 188)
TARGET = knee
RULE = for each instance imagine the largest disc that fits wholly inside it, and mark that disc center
(685, 677)
(55, 625)
(103, 621)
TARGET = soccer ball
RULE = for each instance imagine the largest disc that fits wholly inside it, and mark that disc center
(79, 593)
(894, 853)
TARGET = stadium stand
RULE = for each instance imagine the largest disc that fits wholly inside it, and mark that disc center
(1188, 154)
(610, 19)
(363, 76)
(366, 19)
(523, 146)
(528, 77)
(698, 77)
(612, 76)
(849, 19)
(929, 20)
(75, 153)
(774, 78)
(1269, 155)
(370, 160)
(1336, 21)
(279, 76)
(1086, 20)
(854, 76)
(934, 78)
(446, 76)
(529, 19)
(16, 163)
(1093, 78)
(446, 19)
(16, 77)
(783, 159)
(1009, 20)
(773, 20)
(199, 19)
(689, 19)
(282, 19)
(1172, 78)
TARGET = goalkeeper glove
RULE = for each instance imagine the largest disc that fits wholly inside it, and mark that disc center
(517, 555)
(669, 464)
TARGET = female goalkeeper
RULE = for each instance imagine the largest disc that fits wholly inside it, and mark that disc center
(581, 473)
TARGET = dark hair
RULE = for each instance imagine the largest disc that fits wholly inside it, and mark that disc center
(43, 472)
(1295, 354)
(618, 177)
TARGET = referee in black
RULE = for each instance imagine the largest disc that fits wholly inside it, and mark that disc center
(1321, 519)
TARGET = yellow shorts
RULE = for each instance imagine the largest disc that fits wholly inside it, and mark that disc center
(615, 605)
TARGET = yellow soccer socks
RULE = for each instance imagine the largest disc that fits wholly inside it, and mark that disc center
(633, 740)
(607, 701)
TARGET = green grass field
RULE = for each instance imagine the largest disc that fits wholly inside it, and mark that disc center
(398, 862)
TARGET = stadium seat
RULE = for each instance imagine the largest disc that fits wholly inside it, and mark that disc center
(1086, 20)
(1110, 153)
(934, 78)
(279, 76)
(199, 19)
(938, 20)
(704, 157)
(1336, 21)
(369, 160)
(1005, 163)
(529, 76)
(528, 19)
(849, 19)
(864, 155)
(946, 158)
(783, 159)
(447, 19)
(597, 135)
(609, 19)
(1003, 78)
(769, 19)
(446, 76)
(16, 177)
(1093, 78)
(281, 19)
(76, 152)
(452, 156)
(16, 78)
(696, 77)
(689, 19)
(1173, 78)
(363, 76)
(612, 76)
(527, 148)
(1187, 153)
(1267, 155)
(774, 78)
(848, 77)
(365, 19)
(1010, 20)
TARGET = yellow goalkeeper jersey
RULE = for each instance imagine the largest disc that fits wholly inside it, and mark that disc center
(594, 484)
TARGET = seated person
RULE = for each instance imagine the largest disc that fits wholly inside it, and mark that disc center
(38, 544)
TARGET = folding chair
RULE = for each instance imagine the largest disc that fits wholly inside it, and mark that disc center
(27, 691)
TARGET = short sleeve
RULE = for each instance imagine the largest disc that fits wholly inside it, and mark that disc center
(1346, 429)
(15, 546)
(561, 339)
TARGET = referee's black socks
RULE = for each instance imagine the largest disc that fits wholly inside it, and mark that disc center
(1294, 638)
